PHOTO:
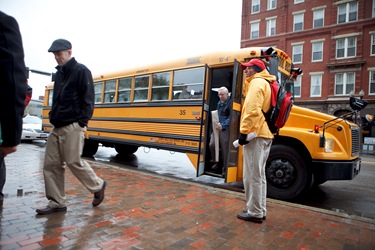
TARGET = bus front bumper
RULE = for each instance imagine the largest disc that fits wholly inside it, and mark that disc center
(337, 170)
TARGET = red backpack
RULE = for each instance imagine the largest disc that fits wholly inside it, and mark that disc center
(281, 105)
(29, 93)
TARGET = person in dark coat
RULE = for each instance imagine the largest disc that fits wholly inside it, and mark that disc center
(72, 107)
(13, 87)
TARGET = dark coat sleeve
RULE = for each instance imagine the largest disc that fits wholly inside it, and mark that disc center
(87, 96)
(13, 81)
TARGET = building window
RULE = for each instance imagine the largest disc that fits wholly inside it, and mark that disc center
(346, 47)
(271, 27)
(347, 12)
(297, 53)
(297, 86)
(372, 52)
(318, 16)
(316, 85)
(344, 83)
(298, 22)
(254, 30)
(373, 8)
(272, 4)
(317, 51)
(372, 82)
(298, 1)
(255, 6)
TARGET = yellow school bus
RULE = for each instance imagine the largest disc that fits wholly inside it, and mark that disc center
(168, 106)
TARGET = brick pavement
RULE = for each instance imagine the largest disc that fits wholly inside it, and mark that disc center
(145, 211)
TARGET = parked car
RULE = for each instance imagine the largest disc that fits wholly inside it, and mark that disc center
(32, 129)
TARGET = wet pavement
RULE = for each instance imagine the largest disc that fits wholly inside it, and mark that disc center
(146, 211)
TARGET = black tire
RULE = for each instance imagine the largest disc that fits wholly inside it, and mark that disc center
(122, 149)
(287, 173)
(90, 148)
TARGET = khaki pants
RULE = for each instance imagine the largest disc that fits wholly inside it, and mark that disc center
(64, 148)
(254, 177)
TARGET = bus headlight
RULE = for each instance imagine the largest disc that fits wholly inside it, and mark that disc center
(328, 145)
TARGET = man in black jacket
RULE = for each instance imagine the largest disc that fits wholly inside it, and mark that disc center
(72, 107)
(13, 86)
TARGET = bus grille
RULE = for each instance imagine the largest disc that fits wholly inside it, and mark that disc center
(355, 141)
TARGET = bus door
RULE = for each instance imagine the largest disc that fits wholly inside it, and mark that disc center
(203, 145)
(234, 170)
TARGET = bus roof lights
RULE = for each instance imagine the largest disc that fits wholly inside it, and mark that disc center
(316, 128)
(295, 72)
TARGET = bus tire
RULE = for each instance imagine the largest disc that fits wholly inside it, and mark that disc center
(123, 149)
(90, 148)
(287, 173)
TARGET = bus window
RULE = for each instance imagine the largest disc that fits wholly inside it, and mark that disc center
(141, 88)
(109, 91)
(160, 86)
(190, 80)
(98, 92)
(50, 97)
(124, 88)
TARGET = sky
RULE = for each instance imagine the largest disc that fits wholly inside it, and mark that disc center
(118, 34)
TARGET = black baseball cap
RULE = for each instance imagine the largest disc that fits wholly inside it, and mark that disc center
(59, 45)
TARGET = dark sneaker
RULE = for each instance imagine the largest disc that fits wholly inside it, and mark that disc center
(99, 196)
(263, 218)
(247, 217)
(50, 210)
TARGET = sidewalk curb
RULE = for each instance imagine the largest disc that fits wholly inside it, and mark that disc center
(240, 194)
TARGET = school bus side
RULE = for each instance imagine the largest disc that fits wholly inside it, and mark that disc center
(129, 114)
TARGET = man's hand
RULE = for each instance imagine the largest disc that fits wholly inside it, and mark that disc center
(219, 127)
(242, 139)
(7, 150)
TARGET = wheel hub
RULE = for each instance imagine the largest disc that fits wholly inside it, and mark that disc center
(281, 173)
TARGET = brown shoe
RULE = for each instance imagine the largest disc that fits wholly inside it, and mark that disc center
(99, 196)
(50, 210)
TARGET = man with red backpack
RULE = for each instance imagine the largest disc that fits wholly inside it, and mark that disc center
(256, 151)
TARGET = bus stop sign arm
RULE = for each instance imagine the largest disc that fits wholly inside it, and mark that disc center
(39, 72)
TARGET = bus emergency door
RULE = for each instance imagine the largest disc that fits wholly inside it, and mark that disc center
(204, 122)
(234, 171)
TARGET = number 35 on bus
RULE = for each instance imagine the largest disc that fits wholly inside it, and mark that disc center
(168, 106)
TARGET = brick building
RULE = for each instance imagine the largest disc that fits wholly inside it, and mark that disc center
(333, 42)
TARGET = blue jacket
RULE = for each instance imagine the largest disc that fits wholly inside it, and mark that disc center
(223, 110)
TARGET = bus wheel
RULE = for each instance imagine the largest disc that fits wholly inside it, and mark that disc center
(125, 149)
(288, 175)
(90, 148)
